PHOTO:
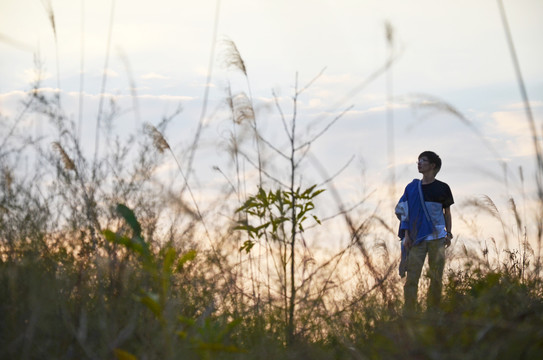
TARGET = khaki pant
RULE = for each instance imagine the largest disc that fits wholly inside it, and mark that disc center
(436, 263)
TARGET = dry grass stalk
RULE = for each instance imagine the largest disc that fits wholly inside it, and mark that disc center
(243, 109)
(516, 213)
(158, 139)
(491, 206)
(232, 57)
(389, 32)
(68, 163)
(8, 178)
(50, 14)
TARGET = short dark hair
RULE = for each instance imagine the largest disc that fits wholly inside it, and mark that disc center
(433, 158)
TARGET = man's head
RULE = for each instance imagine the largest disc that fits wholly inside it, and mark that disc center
(432, 158)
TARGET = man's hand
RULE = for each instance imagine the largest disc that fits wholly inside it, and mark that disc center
(448, 239)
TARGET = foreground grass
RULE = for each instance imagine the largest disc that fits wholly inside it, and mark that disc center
(54, 305)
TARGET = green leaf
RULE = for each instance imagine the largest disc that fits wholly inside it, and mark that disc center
(185, 258)
(123, 355)
(216, 347)
(135, 244)
(151, 301)
(247, 246)
(186, 320)
(229, 327)
(318, 192)
(111, 236)
(130, 218)
(140, 246)
(169, 258)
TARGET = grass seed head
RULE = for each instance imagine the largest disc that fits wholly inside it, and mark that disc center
(158, 139)
(68, 163)
(243, 109)
(232, 57)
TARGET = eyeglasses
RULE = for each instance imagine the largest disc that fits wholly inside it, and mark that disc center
(420, 161)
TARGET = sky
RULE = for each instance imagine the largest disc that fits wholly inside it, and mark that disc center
(162, 53)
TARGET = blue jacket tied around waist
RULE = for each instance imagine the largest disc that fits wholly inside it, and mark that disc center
(412, 218)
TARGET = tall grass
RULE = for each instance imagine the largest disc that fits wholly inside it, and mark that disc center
(101, 258)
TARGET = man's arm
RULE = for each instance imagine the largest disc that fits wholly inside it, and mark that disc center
(448, 225)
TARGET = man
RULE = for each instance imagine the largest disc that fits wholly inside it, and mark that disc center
(425, 228)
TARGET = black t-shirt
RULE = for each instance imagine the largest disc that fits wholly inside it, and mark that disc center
(439, 192)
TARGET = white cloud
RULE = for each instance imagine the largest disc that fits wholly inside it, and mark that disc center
(315, 103)
(47, 90)
(520, 105)
(383, 108)
(10, 94)
(203, 85)
(154, 76)
(514, 131)
(511, 123)
(128, 96)
(111, 73)
(9, 102)
(167, 97)
(32, 75)
(335, 79)
(203, 71)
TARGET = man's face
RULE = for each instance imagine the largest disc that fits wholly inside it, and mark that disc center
(423, 165)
